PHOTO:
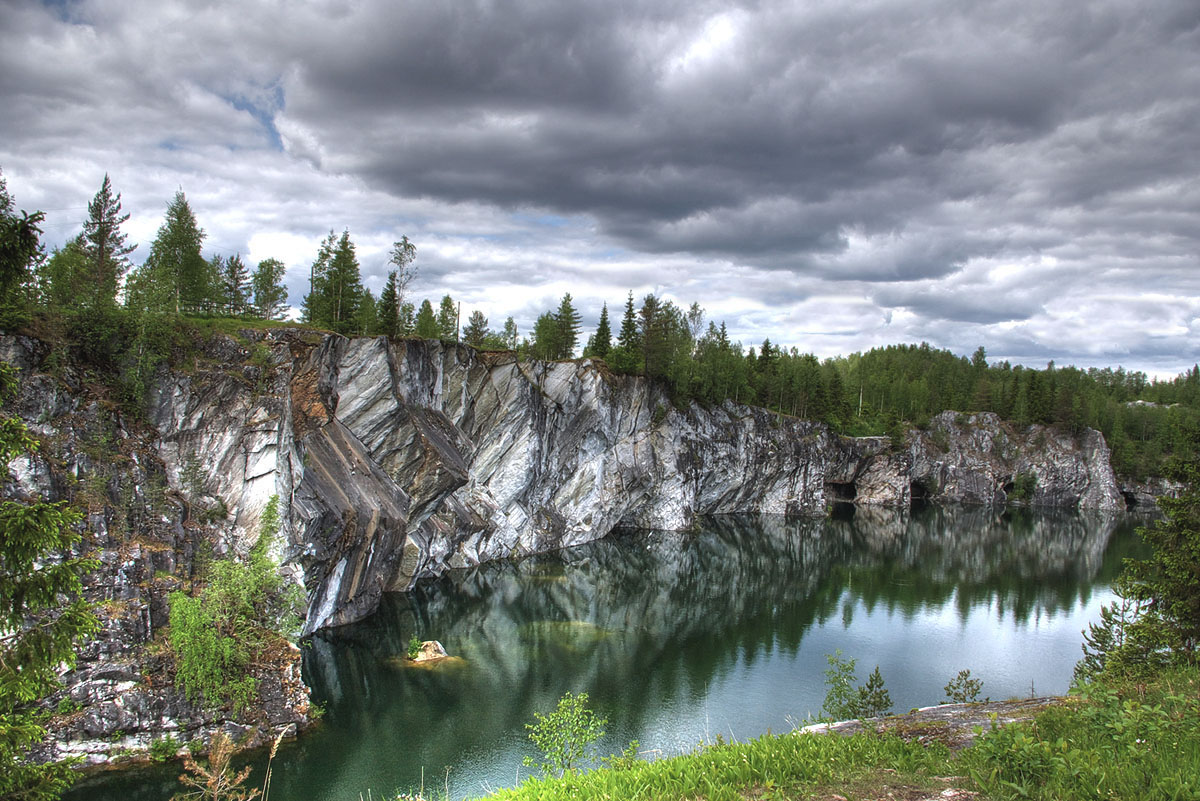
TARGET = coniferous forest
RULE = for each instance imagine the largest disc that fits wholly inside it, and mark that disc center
(123, 318)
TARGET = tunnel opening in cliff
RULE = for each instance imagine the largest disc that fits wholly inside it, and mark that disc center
(918, 494)
(842, 491)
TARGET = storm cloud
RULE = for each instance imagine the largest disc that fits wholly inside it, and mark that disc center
(834, 175)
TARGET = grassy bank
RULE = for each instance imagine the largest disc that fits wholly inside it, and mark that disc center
(1133, 741)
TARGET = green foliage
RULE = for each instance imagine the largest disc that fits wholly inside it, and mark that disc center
(1156, 618)
(873, 697)
(242, 610)
(841, 698)
(565, 735)
(962, 689)
(163, 748)
(447, 319)
(786, 766)
(267, 289)
(414, 647)
(20, 253)
(1023, 487)
(335, 286)
(426, 325)
(42, 617)
(176, 278)
(844, 700)
(1132, 742)
(476, 332)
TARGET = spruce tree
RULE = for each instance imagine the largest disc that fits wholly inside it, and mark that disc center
(601, 341)
(626, 357)
(269, 293)
(447, 319)
(41, 618)
(477, 329)
(235, 280)
(389, 307)
(105, 247)
(315, 307)
(568, 328)
(175, 268)
(344, 286)
(20, 252)
(426, 326)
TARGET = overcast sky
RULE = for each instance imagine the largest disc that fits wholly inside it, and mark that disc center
(835, 175)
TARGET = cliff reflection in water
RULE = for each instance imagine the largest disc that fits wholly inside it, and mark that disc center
(653, 625)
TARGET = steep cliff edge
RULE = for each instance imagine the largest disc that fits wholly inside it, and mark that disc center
(394, 461)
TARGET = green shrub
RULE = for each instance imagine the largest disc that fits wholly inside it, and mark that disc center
(962, 689)
(163, 749)
(565, 735)
(217, 634)
(414, 647)
(845, 701)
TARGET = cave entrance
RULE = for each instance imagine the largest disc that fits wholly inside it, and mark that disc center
(918, 494)
(841, 495)
(842, 491)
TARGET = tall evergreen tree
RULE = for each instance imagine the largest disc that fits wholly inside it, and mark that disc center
(175, 272)
(600, 343)
(336, 289)
(344, 287)
(366, 318)
(315, 307)
(447, 319)
(235, 281)
(426, 325)
(568, 321)
(270, 295)
(510, 334)
(626, 357)
(389, 307)
(20, 252)
(105, 246)
(41, 619)
(477, 329)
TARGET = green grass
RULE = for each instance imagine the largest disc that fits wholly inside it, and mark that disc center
(768, 767)
(1139, 742)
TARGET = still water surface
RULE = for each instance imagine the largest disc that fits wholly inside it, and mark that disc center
(679, 637)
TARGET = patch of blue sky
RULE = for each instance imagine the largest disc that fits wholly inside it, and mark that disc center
(263, 112)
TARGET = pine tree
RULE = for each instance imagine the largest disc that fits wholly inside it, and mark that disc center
(426, 326)
(235, 280)
(389, 307)
(344, 286)
(41, 619)
(175, 268)
(270, 295)
(315, 307)
(626, 357)
(20, 252)
(601, 342)
(568, 321)
(477, 329)
(510, 334)
(366, 319)
(447, 320)
(105, 247)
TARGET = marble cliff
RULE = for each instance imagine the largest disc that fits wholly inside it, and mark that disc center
(398, 460)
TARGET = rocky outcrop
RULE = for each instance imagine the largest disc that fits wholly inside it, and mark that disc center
(978, 458)
(394, 461)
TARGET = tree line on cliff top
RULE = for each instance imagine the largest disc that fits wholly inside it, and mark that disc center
(91, 285)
